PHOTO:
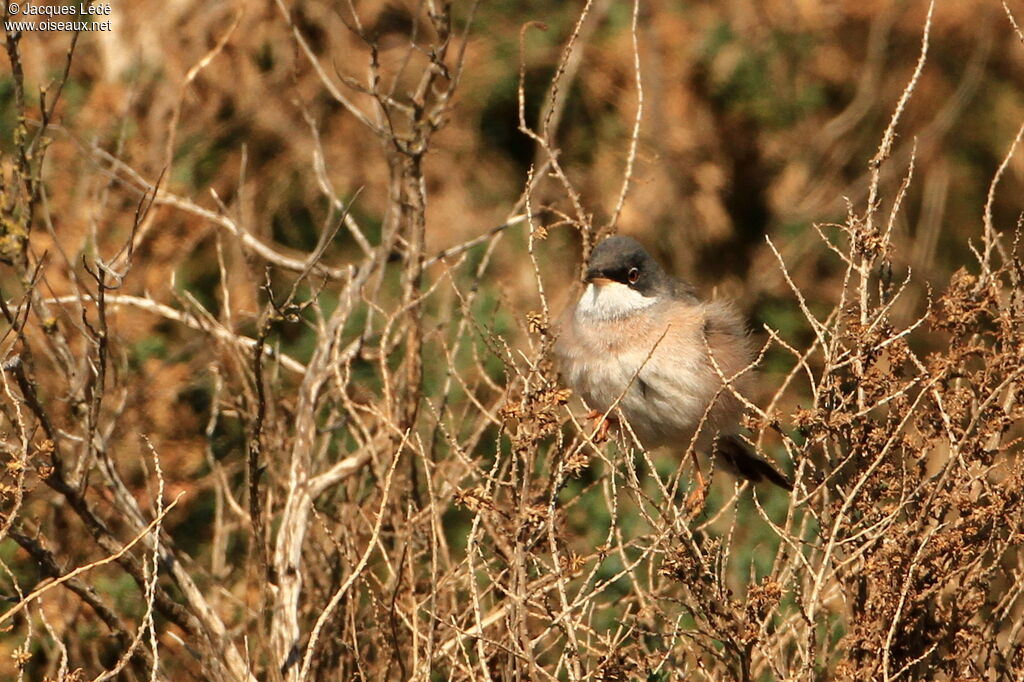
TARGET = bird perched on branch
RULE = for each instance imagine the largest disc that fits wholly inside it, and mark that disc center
(642, 341)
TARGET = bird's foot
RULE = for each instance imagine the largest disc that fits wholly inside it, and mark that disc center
(602, 425)
(698, 497)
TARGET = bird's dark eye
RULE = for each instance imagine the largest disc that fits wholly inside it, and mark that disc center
(634, 275)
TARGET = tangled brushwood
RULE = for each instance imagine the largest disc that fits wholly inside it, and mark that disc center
(227, 457)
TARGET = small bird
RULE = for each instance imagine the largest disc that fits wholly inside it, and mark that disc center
(639, 339)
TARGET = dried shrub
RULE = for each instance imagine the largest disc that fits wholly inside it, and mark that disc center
(313, 446)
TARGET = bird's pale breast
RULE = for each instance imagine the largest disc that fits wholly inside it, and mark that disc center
(655, 363)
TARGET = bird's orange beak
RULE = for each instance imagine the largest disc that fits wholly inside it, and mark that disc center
(599, 281)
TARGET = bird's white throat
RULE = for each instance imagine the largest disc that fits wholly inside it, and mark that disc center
(611, 300)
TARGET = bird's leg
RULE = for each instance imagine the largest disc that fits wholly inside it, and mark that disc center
(601, 435)
(697, 498)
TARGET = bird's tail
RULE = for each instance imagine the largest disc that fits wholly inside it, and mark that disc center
(736, 457)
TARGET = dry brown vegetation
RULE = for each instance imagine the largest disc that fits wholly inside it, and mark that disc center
(278, 283)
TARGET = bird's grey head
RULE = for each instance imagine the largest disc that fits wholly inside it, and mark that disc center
(622, 279)
(626, 261)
